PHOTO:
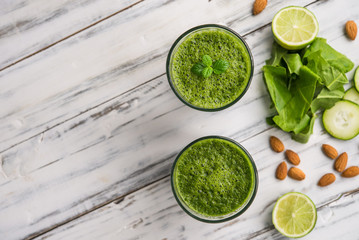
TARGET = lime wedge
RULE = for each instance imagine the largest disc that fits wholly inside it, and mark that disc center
(294, 215)
(294, 27)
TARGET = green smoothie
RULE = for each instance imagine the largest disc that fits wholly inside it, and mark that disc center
(214, 177)
(218, 90)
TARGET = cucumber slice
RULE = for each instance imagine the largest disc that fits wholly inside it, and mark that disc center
(342, 120)
(352, 95)
(356, 79)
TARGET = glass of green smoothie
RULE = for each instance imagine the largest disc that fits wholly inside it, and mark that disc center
(219, 90)
(214, 179)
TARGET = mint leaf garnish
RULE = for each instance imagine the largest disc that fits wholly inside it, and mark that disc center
(220, 66)
(207, 60)
(207, 72)
(198, 68)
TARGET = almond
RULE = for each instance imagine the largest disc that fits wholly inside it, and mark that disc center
(276, 144)
(259, 6)
(292, 157)
(351, 29)
(326, 180)
(296, 174)
(351, 172)
(281, 172)
(329, 151)
(341, 162)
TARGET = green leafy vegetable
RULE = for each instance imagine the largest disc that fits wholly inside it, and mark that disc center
(293, 62)
(304, 135)
(205, 68)
(302, 124)
(334, 58)
(302, 82)
(326, 99)
(291, 104)
(277, 53)
(269, 121)
(294, 102)
(276, 81)
(330, 76)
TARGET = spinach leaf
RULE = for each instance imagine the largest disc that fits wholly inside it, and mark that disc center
(270, 122)
(334, 58)
(326, 99)
(293, 62)
(276, 81)
(302, 124)
(304, 135)
(277, 54)
(330, 76)
(291, 104)
(302, 82)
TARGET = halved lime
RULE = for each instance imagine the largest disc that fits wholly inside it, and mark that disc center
(294, 215)
(294, 27)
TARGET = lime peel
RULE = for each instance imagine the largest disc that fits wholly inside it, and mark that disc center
(294, 27)
(294, 215)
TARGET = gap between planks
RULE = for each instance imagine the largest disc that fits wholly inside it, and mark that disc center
(106, 101)
(120, 198)
(115, 200)
(89, 109)
(69, 36)
(271, 227)
(95, 23)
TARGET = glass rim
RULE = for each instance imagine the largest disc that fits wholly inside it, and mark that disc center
(169, 56)
(246, 204)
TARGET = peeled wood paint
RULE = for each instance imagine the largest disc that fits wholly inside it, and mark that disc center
(81, 146)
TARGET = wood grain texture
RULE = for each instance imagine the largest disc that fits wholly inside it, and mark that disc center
(153, 213)
(27, 27)
(130, 140)
(105, 61)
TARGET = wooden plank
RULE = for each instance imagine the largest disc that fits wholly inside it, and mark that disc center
(130, 141)
(128, 147)
(153, 213)
(110, 165)
(96, 65)
(27, 27)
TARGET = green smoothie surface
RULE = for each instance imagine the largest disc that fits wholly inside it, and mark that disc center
(214, 177)
(218, 90)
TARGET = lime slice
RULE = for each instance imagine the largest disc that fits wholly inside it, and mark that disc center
(356, 79)
(294, 27)
(294, 215)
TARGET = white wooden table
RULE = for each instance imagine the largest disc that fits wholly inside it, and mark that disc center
(90, 127)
